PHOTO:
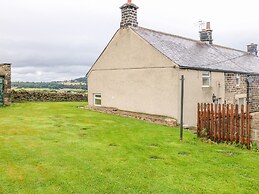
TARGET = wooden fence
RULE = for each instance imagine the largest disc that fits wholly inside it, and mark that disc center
(220, 122)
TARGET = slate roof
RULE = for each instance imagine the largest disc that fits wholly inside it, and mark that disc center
(193, 54)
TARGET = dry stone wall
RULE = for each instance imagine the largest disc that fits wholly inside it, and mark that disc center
(47, 96)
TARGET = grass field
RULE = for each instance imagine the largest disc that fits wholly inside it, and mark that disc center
(60, 148)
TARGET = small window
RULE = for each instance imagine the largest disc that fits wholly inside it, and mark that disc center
(237, 79)
(240, 102)
(206, 79)
(97, 99)
(219, 100)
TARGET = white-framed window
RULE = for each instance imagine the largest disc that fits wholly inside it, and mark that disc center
(241, 100)
(238, 79)
(97, 99)
(206, 76)
(220, 101)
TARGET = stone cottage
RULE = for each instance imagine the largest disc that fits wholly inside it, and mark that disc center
(140, 70)
(5, 84)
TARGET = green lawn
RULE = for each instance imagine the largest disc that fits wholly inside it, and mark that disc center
(60, 148)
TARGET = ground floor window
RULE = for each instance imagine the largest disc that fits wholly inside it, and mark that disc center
(97, 99)
(240, 102)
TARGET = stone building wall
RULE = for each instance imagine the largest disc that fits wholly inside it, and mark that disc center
(47, 96)
(5, 72)
(255, 128)
(254, 94)
(231, 88)
(233, 92)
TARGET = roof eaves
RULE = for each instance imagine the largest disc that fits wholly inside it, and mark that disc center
(217, 70)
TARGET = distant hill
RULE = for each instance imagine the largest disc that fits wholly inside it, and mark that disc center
(81, 79)
(78, 83)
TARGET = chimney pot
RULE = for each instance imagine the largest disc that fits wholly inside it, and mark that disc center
(252, 49)
(208, 26)
(206, 34)
(129, 1)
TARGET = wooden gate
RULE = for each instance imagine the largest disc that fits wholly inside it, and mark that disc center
(220, 122)
(1, 91)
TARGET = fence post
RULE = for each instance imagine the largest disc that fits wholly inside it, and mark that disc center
(209, 120)
(242, 124)
(198, 121)
(219, 123)
(215, 123)
(182, 99)
(205, 116)
(212, 121)
(248, 126)
(201, 119)
(237, 125)
(223, 122)
(228, 124)
(231, 122)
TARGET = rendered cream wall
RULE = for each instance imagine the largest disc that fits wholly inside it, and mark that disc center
(149, 91)
(128, 50)
(194, 93)
(132, 75)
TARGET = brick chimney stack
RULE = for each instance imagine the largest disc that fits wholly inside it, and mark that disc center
(252, 49)
(206, 34)
(129, 15)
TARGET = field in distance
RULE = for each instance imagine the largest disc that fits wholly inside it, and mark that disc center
(76, 84)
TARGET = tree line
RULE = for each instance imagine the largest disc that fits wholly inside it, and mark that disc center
(79, 83)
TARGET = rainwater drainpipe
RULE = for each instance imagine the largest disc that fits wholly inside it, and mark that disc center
(248, 81)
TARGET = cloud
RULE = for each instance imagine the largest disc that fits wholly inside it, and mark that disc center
(41, 73)
(60, 39)
(52, 34)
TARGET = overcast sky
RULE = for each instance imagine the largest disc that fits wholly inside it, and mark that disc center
(49, 40)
